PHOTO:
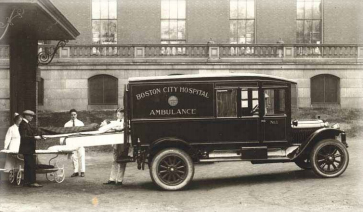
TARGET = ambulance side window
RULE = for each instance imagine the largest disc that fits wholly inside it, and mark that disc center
(275, 100)
(227, 103)
(249, 102)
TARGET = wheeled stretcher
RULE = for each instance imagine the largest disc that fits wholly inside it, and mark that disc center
(69, 143)
(53, 172)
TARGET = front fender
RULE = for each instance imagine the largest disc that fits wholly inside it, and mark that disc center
(318, 135)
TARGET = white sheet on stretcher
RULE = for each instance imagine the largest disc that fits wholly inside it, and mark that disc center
(44, 151)
(86, 140)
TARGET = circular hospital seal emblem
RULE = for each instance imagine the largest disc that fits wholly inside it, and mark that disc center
(173, 101)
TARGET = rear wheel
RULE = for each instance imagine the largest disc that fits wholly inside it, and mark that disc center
(172, 169)
(329, 158)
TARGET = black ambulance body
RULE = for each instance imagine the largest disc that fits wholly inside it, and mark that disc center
(177, 121)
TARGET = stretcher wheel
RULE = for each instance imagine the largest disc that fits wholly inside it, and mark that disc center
(50, 176)
(12, 176)
(18, 177)
(59, 175)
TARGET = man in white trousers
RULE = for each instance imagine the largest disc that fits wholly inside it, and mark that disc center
(119, 150)
(78, 156)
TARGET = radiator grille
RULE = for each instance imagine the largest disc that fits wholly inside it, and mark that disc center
(300, 135)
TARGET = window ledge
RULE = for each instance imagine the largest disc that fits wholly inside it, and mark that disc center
(101, 107)
(326, 105)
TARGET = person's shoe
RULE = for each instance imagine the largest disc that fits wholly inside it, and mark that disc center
(35, 185)
(118, 184)
(110, 183)
(82, 174)
(75, 174)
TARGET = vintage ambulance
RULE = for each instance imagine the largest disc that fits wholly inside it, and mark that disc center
(177, 121)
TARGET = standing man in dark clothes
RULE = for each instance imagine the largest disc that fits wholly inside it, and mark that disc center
(27, 148)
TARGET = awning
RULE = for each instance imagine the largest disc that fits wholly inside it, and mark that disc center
(38, 17)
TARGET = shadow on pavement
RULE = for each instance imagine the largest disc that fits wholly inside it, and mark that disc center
(212, 183)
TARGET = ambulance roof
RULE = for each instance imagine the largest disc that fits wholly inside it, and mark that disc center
(195, 77)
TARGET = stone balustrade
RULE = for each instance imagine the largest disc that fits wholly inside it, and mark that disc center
(202, 51)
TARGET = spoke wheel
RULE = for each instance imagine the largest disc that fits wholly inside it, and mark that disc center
(303, 163)
(172, 169)
(18, 177)
(329, 158)
(59, 175)
(12, 176)
(50, 176)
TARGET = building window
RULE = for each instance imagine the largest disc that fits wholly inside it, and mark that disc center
(41, 92)
(173, 14)
(103, 90)
(242, 21)
(104, 21)
(325, 89)
(309, 21)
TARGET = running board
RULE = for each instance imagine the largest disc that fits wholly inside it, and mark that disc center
(247, 154)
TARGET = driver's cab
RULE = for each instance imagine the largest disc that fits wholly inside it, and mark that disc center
(250, 97)
(259, 111)
(273, 114)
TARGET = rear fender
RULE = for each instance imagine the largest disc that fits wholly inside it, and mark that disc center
(170, 142)
(318, 135)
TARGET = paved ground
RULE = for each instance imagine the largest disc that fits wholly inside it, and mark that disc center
(216, 187)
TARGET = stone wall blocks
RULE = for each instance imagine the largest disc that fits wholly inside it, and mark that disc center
(351, 83)
(303, 83)
(4, 74)
(354, 92)
(147, 73)
(74, 74)
(304, 92)
(54, 84)
(71, 83)
(4, 93)
(4, 104)
(132, 73)
(4, 83)
(355, 103)
(304, 102)
(343, 92)
(354, 74)
(53, 94)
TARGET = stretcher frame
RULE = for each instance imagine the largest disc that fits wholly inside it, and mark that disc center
(70, 144)
(54, 172)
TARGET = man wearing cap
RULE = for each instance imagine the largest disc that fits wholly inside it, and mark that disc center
(28, 136)
(78, 156)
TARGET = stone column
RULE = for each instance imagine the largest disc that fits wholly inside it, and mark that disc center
(23, 71)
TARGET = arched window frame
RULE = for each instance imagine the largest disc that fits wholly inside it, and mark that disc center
(328, 81)
(103, 78)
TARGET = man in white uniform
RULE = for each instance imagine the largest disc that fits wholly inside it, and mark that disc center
(78, 156)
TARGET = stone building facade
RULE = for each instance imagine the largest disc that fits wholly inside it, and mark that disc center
(334, 60)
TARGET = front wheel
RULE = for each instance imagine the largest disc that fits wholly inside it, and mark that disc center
(172, 169)
(329, 158)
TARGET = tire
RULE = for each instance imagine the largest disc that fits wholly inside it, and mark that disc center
(19, 177)
(12, 176)
(172, 169)
(329, 158)
(303, 163)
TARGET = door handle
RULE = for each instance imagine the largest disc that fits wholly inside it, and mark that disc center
(263, 121)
